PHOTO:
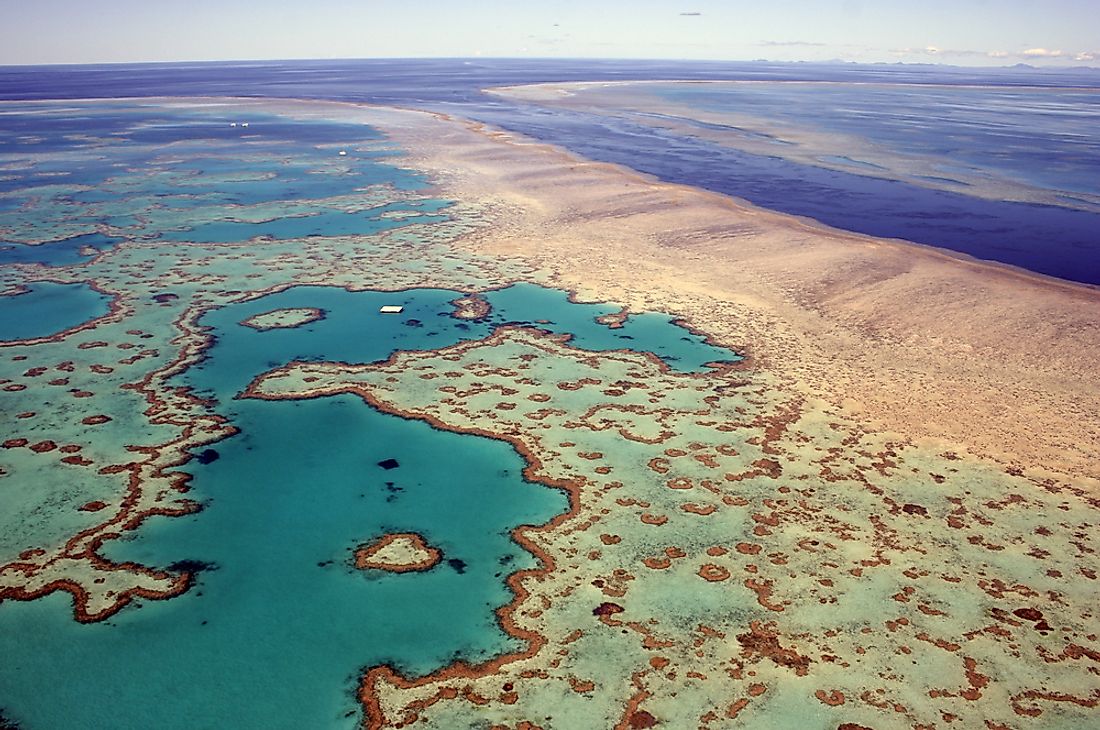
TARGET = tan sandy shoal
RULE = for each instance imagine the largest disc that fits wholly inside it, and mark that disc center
(966, 355)
(906, 338)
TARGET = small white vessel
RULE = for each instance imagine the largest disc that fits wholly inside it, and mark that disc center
(343, 153)
(392, 309)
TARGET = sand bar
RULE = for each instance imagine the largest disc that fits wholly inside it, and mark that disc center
(910, 339)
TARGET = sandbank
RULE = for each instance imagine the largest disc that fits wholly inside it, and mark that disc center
(973, 356)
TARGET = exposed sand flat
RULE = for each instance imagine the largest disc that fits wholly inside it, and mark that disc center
(907, 338)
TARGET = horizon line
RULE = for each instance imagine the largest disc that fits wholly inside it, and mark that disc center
(827, 62)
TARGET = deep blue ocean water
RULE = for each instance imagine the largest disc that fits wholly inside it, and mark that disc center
(1042, 136)
(55, 253)
(1054, 240)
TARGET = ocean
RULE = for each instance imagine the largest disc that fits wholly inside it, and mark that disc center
(986, 127)
(176, 211)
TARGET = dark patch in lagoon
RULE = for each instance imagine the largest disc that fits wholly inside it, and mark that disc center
(459, 566)
(388, 464)
(191, 566)
(207, 456)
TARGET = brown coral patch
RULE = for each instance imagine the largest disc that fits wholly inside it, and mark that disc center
(833, 698)
(763, 591)
(761, 641)
(472, 307)
(607, 609)
(713, 573)
(413, 554)
(651, 519)
(641, 719)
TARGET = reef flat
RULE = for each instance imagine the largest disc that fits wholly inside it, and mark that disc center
(789, 476)
(398, 552)
(934, 367)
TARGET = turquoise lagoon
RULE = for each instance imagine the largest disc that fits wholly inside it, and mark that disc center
(56, 253)
(279, 625)
(47, 308)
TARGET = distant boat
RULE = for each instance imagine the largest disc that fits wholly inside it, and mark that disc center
(391, 309)
(343, 153)
(232, 124)
(244, 124)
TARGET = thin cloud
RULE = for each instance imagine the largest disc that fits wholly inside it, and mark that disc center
(692, 14)
(1041, 53)
(1029, 54)
(935, 51)
(786, 44)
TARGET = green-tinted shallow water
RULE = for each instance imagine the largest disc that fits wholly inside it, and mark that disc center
(280, 625)
(326, 223)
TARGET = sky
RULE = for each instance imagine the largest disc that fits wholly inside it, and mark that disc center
(963, 32)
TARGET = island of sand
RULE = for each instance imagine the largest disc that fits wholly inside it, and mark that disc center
(398, 552)
(286, 318)
(471, 307)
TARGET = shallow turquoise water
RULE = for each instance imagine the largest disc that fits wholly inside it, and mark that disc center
(325, 223)
(279, 626)
(276, 634)
(48, 308)
(550, 309)
(181, 159)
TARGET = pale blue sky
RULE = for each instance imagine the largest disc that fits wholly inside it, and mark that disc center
(967, 32)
